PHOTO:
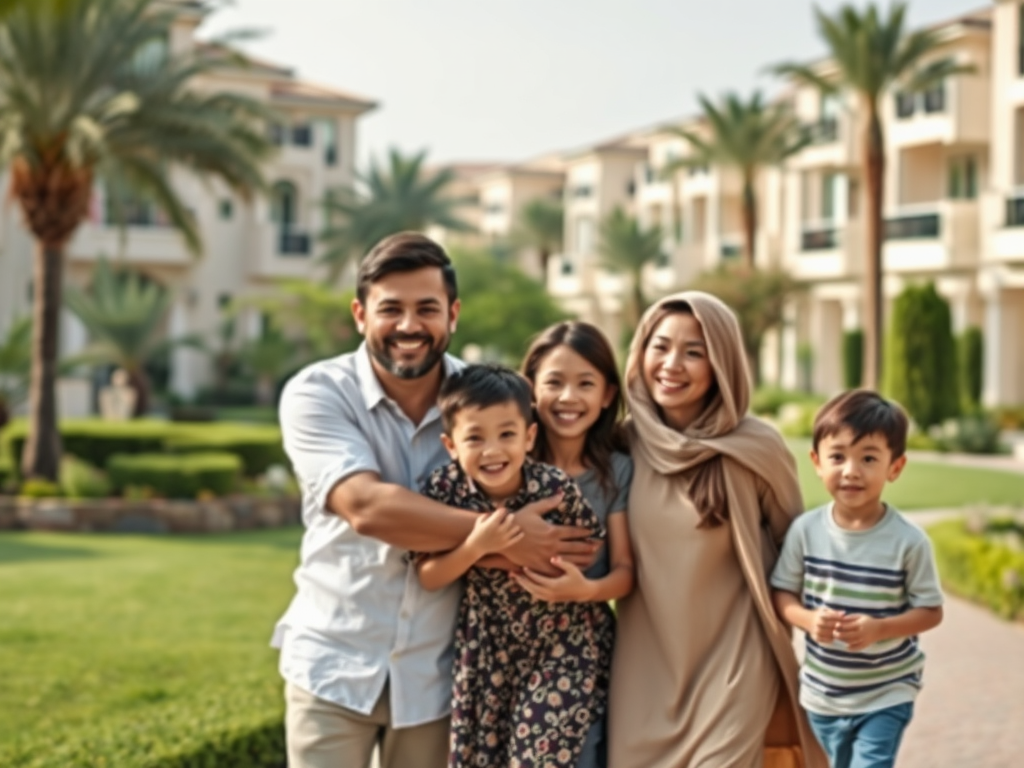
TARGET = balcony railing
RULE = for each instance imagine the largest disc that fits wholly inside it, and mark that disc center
(824, 131)
(293, 242)
(925, 225)
(731, 250)
(823, 239)
(1015, 212)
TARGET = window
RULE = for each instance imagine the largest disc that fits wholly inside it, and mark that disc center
(283, 203)
(905, 103)
(328, 133)
(302, 135)
(962, 177)
(582, 190)
(935, 99)
(226, 209)
(223, 300)
(584, 234)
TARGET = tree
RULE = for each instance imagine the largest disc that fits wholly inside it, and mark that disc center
(921, 367)
(502, 308)
(873, 54)
(972, 366)
(124, 313)
(88, 94)
(268, 359)
(15, 364)
(626, 248)
(745, 136)
(395, 198)
(757, 296)
(540, 228)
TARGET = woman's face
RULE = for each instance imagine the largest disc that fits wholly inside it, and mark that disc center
(676, 369)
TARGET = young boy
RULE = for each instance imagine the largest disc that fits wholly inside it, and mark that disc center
(860, 581)
(530, 676)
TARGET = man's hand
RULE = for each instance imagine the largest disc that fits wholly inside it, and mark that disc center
(570, 586)
(825, 624)
(493, 532)
(542, 541)
(858, 631)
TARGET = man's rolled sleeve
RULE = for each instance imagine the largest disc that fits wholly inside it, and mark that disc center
(322, 436)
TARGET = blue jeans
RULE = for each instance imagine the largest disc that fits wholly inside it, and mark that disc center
(868, 740)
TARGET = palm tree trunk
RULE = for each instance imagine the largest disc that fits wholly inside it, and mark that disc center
(139, 381)
(874, 190)
(545, 257)
(41, 456)
(749, 220)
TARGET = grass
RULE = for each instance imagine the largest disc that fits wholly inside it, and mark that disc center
(127, 650)
(926, 485)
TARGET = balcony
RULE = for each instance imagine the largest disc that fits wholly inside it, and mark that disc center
(819, 239)
(824, 131)
(146, 244)
(957, 112)
(1008, 240)
(945, 237)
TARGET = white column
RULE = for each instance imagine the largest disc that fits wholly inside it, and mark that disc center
(182, 366)
(789, 374)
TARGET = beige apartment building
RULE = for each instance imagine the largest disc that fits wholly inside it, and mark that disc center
(953, 207)
(248, 246)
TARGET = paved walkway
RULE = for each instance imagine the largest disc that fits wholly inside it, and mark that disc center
(975, 461)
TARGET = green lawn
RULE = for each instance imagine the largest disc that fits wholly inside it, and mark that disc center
(926, 486)
(127, 651)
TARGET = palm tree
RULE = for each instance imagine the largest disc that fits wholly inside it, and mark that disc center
(540, 228)
(124, 313)
(873, 54)
(395, 198)
(268, 358)
(626, 248)
(15, 364)
(86, 95)
(746, 136)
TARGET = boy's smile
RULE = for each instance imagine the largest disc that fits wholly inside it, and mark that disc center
(855, 474)
(491, 445)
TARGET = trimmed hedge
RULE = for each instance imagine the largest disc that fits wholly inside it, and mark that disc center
(972, 365)
(176, 476)
(95, 440)
(853, 358)
(983, 565)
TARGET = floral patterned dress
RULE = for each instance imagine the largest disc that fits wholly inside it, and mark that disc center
(530, 676)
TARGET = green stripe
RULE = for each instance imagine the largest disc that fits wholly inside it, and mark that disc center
(869, 675)
(821, 589)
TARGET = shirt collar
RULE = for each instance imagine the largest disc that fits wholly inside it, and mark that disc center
(370, 386)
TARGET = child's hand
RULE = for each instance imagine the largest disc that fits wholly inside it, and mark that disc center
(493, 532)
(858, 631)
(569, 586)
(826, 623)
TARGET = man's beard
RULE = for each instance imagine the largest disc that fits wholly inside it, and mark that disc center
(382, 354)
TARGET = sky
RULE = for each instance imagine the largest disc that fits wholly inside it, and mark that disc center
(506, 80)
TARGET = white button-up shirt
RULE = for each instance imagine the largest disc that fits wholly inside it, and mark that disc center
(360, 616)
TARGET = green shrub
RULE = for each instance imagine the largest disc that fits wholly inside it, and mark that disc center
(81, 480)
(1009, 417)
(970, 434)
(38, 488)
(920, 366)
(853, 358)
(972, 365)
(179, 476)
(797, 419)
(6, 474)
(768, 401)
(984, 565)
(258, 446)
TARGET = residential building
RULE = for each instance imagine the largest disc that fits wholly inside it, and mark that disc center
(248, 244)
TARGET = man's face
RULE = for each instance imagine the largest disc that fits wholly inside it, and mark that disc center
(407, 321)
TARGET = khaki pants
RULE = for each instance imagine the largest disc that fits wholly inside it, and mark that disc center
(321, 734)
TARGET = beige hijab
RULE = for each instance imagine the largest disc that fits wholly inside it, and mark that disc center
(762, 493)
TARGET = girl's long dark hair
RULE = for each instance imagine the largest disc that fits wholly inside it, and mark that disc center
(605, 436)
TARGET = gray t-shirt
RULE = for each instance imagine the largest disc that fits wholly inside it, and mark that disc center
(605, 501)
(883, 571)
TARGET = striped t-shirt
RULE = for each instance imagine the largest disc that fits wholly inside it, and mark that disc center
(883, 571)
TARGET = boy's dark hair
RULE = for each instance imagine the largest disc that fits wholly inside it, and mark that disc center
(404, 252)
(864, 413)
(482, 386)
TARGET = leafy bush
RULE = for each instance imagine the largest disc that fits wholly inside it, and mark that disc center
(984, 565)
(853, 358)
(970, 434)
(37, 488)
(258, 446)
(182, 476)
(768, 401)
(1010, 417)
(920, 366)
(972, 366)
(797, 419)
(6, 474)
(81, 480)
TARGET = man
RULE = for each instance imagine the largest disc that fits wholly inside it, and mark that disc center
(365, 651)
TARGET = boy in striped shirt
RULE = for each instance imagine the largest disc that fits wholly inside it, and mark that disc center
(860, 581)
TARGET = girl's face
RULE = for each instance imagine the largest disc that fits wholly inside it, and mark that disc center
(676, 369)
(570, 393)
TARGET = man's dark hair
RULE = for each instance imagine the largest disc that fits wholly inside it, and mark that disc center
(483, 386)
(864, 413)
(404, 252)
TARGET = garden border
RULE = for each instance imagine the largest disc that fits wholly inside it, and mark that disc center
(114, 515)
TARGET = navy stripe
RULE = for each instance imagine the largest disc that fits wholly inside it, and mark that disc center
(852, 578)
(849, 567)
(880, 665)
(820, 685)
(860, 655)
(811, 602)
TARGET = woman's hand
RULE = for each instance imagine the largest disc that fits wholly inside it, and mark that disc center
(569, 586)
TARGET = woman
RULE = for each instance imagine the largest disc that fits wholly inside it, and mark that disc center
(704, 674)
